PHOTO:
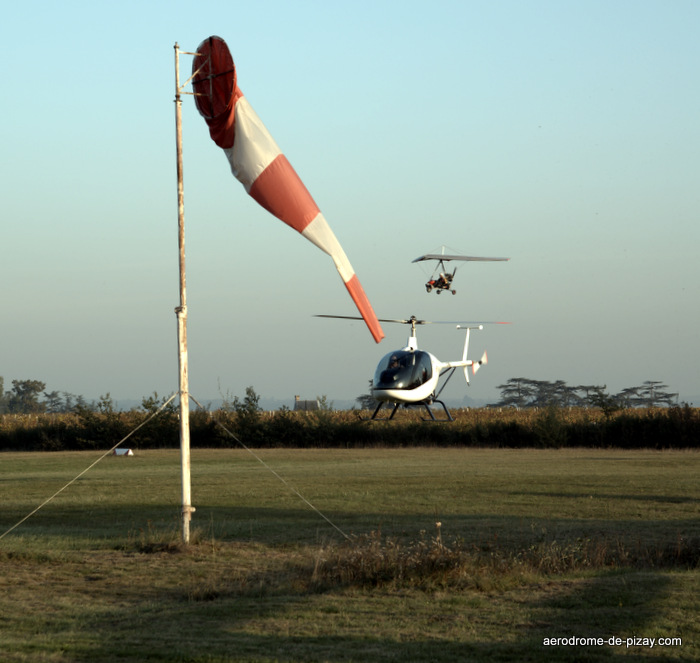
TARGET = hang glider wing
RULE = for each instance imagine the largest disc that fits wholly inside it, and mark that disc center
(445, 257)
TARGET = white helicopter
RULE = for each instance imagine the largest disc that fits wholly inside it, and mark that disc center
(410, 376)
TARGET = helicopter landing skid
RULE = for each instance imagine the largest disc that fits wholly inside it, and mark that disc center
(374, 417)
(448, 416)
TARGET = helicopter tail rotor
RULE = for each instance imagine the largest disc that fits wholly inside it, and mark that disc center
(477, 364)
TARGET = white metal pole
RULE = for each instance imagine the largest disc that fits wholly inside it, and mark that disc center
(181, 312)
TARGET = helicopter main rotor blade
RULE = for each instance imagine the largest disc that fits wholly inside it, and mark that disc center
(342, 317)
(414, 320)
(408, 321)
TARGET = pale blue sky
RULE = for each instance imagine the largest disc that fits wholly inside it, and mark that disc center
(563, 135)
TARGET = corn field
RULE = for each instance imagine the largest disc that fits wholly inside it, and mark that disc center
(552, 427)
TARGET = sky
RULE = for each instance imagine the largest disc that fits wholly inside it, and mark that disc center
(564, 136)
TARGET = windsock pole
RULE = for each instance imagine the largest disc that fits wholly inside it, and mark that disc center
(181, 312)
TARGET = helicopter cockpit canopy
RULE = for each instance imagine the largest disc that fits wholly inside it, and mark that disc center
(403, 369)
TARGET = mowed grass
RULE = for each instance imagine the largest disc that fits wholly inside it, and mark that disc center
(531, 544)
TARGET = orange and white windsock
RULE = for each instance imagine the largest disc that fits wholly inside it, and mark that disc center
(258, 163)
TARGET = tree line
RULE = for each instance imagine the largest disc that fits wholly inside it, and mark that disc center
(525, 393)
(517, 425)
(25, 395)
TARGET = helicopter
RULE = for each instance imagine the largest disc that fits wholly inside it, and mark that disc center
(442, 278)
(410, 376)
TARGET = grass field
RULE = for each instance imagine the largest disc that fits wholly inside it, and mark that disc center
(419, 555)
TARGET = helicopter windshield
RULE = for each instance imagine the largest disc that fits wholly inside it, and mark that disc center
(403, 369)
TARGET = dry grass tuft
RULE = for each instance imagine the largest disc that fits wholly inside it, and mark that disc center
(372, 561)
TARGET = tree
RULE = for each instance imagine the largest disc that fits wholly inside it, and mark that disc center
(249, 407)
(324, 404)
(72, 403)
(152, 404)
(53, 402)
(367, 401)
(517, 392)
(24, 397)
(629, 397)
(591, 393)
(653, 393)
(597, 397)
(551, 394)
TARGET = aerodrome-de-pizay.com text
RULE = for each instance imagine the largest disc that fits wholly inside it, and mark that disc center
(613, 641)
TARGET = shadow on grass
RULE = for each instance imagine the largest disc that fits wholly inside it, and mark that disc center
(635, 497)
(426, 628)
(299, 526)
(246, 591)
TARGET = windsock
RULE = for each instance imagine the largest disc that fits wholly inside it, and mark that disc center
(258, 163)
